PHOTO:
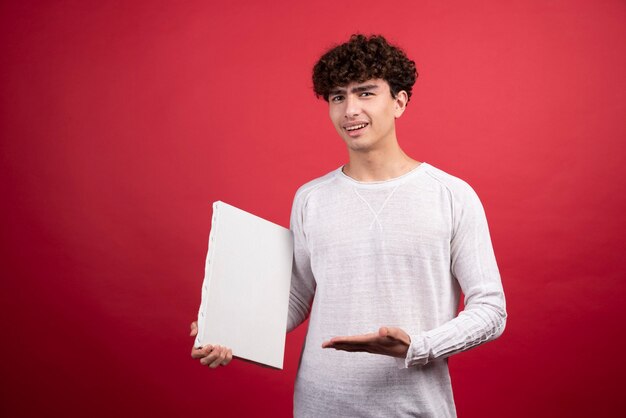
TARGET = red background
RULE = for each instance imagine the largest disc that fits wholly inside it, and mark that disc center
(121, 121)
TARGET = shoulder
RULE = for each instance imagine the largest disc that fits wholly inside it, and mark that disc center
(457, 188)
(308, 189)
(304, 193)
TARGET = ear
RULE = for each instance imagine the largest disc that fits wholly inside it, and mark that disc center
(400, 103)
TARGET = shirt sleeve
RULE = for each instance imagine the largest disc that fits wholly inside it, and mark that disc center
(473, 265)
(302, 279)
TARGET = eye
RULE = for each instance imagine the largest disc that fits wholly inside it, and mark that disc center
(366, 94)
(336, 99)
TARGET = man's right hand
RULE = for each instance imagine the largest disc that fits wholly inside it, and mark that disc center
(210, 355)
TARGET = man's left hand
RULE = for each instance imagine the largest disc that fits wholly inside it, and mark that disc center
(389, 341)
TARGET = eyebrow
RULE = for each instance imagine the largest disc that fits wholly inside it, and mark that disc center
(356, 89)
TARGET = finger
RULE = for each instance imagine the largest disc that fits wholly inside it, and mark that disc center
(210, 358)
(397, 334)
(220, 358)
(390, 332)
(351, 348)
(229, 358)
(374, 349)
(200, 352)
(194, 329)
(360, 339)
(216, 357)
(348, 342)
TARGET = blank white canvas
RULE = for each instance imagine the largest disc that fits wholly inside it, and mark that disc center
(245, 293)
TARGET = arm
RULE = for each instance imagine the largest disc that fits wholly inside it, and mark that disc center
(473, 265)
(302, 279)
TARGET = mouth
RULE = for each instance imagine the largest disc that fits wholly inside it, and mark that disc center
(354, 129)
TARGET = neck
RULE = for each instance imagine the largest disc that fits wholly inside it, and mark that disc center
(379, 164)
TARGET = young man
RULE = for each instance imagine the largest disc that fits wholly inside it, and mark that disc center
(383, 243)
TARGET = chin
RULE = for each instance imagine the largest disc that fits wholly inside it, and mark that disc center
(359, 147)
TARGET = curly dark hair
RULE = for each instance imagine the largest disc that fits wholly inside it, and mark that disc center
(363, 58)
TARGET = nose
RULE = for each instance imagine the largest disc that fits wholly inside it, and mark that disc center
(352, 106)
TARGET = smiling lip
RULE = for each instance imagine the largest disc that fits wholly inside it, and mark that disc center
(354, 128)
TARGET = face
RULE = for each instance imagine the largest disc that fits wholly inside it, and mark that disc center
(364, 114)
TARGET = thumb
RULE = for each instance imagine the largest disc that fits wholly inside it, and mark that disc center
(393, 333)
(194, 329)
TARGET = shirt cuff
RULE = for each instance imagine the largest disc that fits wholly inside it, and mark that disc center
(417, 354)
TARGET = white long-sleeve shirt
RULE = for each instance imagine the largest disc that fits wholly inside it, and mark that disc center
(389, 253)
